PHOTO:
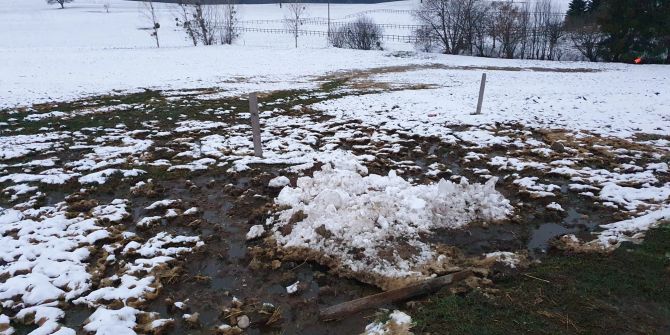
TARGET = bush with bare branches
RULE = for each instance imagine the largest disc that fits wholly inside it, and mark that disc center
(229, 23)
(362, 34)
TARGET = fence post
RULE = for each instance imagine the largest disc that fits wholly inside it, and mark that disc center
(481, 94)
(255, 124)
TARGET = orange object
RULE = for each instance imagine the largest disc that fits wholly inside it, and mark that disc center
(638, 60)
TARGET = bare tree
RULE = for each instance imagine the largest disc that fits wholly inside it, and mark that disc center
(149, 12)
(555, 31)
(185, 21)
(200, 22)
(60, 2)
(481, 32)
(362, 34)
(452, 22)
(474, 13)
(586, 37)
(230, 22)
(293, 19)
(506, 28)
(424, 39)
(207, 19)
(438, 15)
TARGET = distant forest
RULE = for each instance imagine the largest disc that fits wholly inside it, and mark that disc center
(275, 1)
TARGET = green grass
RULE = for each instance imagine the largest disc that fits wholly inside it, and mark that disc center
(627, 292)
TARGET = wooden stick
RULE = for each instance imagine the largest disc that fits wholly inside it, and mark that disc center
(482, 86)
(407, 292)
(255, 124)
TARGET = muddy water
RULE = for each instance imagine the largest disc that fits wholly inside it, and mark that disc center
(222, 271)
(230, 204)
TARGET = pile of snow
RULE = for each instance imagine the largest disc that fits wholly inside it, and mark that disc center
(358, 224)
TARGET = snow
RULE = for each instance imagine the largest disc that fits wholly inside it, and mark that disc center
(101, 177)
(45, 253)
(507, 258)
(293, 288)
(555, 206)
(82, 51)
(149, 220)
(255, 231)
(112, 322)
(280, 181)
(590, 101)
(631, 198)
(631, 229)
(399, 323)
(162, 204)
(114, 212)
(21, 145)
(346, 211)
(130, 287)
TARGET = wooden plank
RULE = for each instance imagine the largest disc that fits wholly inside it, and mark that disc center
(391, 296)
(255, 124)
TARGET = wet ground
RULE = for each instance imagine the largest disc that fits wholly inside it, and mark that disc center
(229, 203)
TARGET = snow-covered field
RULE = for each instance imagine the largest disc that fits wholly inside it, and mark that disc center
(127, 172)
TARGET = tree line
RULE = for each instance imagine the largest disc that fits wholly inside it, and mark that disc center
(599, 30)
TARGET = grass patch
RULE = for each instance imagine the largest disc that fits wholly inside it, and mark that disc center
(627, 292)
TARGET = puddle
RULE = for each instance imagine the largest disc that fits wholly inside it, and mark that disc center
(540, 236)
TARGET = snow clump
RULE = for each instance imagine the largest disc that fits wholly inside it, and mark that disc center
(357, 224)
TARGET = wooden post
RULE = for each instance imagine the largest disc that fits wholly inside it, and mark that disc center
(255, 124)
(481, 94)
(408, 292)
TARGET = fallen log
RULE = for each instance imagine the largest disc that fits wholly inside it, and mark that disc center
(424, 287)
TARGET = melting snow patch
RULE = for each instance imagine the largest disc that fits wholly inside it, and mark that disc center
(357, 224)
(112, 322)
(255, 232)
(631, 198)
(555, 206)
(632, 229)
(100, 177)
(510, 259)
(398, 323)
(280, 181)
(293, 288)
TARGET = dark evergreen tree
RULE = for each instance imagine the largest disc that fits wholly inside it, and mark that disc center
(635, 28)
(592, 6)
(577, 8)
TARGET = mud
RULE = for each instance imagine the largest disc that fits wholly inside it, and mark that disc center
(255, 272)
